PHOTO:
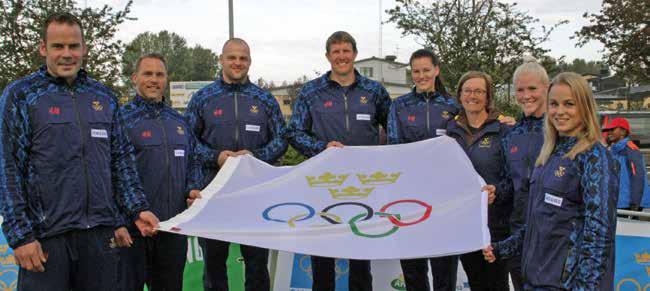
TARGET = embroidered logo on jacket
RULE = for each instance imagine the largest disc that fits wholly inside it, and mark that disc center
(180, 130)
(411, 118)
(97, 106)
(485, 142)
(146, 134)
(445, 114)
(217, 112)
(55, 110)
(514, 149)
(328, 104)
(560, 171)
(363, 100)
(254, 109)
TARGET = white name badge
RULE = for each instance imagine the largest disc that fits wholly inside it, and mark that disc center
(365, 117)
(441, 131)
(98, 133)
(553, 200)
(179, 153)
(251, 127)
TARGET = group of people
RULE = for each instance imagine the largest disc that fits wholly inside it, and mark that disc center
(84, 182)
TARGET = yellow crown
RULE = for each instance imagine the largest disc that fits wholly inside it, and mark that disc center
(4, 249)
(642, 258)
(326, 180)
(378, 178)
(351, 193)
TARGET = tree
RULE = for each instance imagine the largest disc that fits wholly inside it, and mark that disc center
(485, 35)
(623, 27)
(20, 35)
(183, 63)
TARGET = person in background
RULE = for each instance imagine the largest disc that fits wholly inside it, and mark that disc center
(567, 241)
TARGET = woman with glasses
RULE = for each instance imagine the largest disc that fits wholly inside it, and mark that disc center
(567, 242)
(478, 131)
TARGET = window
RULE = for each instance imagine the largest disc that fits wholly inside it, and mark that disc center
(366, 71)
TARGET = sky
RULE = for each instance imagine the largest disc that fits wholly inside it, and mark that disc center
(287, 37)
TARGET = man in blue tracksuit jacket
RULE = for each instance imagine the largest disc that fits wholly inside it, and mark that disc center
(339, 108)
(168, 169)
(66, 165)
(231, 117)
(633, 177)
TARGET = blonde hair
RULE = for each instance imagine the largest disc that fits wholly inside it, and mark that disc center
(590, 132)
(531, 66)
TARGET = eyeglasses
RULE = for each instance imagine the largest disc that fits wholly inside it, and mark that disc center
(476, 92)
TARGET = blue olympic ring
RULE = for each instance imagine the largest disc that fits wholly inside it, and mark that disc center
(311, 210)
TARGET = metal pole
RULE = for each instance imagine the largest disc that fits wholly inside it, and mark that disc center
(633, 213)
(230, 19)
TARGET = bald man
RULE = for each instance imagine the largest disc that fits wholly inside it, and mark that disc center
(233, 117)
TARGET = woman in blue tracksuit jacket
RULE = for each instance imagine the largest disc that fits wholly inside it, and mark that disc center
(478, 131)
(567, 242)
(421, 114)
(522, 145)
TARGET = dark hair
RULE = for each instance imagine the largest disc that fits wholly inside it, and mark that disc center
(488, 86)
(156, 56)
(61, 17)
(425, 53)
(339, 37)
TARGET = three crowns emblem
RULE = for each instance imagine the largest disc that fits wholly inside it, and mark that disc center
(329, 180)
(97, 106)
(180, 130)
(445, 114)
(485, 142)
(560, 171)
(363, 100)
(254, 109)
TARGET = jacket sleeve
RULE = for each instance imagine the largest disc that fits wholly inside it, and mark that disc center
(638, 177)
(194, 173)
(277, 145)
(504, 187)
(600, 218)
(206, 155)
(126, 182)
(14, 144)
(383, 106)
(393, 130)
(510, 247)
(298, 131)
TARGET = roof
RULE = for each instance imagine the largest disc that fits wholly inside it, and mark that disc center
(373, 58)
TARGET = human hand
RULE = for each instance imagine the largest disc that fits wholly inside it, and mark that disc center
(491, 190)
(335, 144)
(194, 194)
(31, 257)
(122, 238)
(147, 223)
(488, 254)
(223, 156)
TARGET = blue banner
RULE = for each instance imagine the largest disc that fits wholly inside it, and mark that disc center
(8, 268)
(632, 263)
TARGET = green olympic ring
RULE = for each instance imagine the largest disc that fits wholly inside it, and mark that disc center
(355, 228)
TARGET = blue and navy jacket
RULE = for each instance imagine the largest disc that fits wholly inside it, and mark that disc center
(235, 117)
(633, 177)
(325, 111)
(164, 154)
(65, 160)
(521, 147)
(484, 148)
(419, 116)
(568, 238)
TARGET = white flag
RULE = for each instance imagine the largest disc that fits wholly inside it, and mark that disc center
(412, 200)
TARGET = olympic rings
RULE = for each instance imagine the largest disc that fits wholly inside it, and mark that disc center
(395, 219)
(397, 222)
(311, 213)
(369, 211)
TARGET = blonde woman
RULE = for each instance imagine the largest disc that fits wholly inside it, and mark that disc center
(571, 218)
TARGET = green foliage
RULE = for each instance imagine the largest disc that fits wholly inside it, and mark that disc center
(292, 157)
(486, 35)
(507, 106)
(20, 35)
(183, 63)
(623, 27)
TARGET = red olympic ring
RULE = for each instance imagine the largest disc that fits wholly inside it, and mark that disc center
(397, 222)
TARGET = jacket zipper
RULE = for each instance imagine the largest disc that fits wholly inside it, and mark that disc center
(167, 164)
(428, 118)
(83, 156)
(236, 121)
(347, 118)
(529, 222)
